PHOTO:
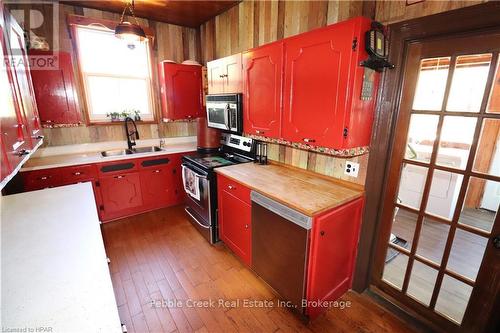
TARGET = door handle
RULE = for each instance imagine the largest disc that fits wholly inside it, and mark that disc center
(496, 242)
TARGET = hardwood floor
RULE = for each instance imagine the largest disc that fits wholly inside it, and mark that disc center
(159, 257)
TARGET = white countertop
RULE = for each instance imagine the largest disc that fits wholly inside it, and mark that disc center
(53, 263)
(69, 155)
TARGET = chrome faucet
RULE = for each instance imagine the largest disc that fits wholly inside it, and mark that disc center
(130, 134)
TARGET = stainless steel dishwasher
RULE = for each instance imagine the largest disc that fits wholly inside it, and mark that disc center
(280, 237)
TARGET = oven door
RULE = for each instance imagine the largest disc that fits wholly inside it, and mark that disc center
(217, 115)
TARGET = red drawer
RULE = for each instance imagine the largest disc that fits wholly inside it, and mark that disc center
(79, 173)
(234, 188)
(38, 179)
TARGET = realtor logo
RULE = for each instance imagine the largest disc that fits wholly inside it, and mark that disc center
(40, 22)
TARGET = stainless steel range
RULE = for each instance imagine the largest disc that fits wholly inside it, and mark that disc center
(200, 181)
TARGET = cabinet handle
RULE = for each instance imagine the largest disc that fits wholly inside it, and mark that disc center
(45, 177)
(78, 173)
(157, 171)
(246, 226)
(259, 132)
(231, 187)
(119, 177)
(308, 140)
(23, 152)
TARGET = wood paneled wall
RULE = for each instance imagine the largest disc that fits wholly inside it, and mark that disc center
(171, 42)
(390, 11)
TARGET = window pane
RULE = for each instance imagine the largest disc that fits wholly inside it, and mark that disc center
(108, 94)
(468, 83)
(494, 102)
(101, 52)
(403, 228)
(422, 280)
(480, 204)
(488, 151)
(466, 253)
(432, 240)
(431, 84)
(411, 185)
(456, 139)
(453, 298)
(421, 136)
(395, 268)
(443, 195)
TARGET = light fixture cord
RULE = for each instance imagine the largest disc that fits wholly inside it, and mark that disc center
(130, 7)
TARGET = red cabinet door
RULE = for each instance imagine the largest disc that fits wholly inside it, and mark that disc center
(262, 81)
(55, 91)
(316, 85)
(332, 253)
(157, 187)
(24, 88)
(12, 142)
(181, 89)
(232, 74)
(235, 225)
(121, 195)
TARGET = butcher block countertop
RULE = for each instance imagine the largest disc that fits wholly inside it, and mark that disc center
(55, 276)
(304, 191)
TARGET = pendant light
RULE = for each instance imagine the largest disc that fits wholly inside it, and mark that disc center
(130, 32)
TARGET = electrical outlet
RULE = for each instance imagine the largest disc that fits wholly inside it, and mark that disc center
(351, 169)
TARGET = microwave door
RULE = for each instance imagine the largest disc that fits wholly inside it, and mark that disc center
(217, 115)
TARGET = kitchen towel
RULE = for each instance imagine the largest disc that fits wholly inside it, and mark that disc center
(191, 182)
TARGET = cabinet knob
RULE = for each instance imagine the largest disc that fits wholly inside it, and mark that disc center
(23, 152)
(308, 140)
(259, 132)
(246, 226)
(322, 233)
(231, 187)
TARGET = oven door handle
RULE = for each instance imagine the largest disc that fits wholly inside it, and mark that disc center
(194, 218)
(195, 170)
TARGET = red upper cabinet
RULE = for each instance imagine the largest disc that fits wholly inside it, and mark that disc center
(225, 75)
(322, 103)
(23, 85)
(262, 84)
(333, 247)
(13, 132)
(55, 90)
(181, 91)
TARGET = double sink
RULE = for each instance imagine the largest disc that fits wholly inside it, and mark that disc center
(139, 150)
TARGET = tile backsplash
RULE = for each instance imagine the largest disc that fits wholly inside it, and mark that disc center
(328, 165)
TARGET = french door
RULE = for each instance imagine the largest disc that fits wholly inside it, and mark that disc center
(438, 251)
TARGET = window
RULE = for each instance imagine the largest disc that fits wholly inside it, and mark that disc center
(116, 75)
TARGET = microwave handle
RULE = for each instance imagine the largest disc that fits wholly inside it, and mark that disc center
(227, 116)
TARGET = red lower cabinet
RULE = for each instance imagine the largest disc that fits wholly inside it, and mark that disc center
(332, 253)
(121, 195)
(157, 189)
(235, 218)
(121, 188)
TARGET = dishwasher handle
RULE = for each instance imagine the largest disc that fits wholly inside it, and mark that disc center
(285, 212)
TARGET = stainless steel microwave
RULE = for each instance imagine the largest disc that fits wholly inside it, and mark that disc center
(224, 111)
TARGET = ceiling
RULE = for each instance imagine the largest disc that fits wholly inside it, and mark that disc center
(181, 12)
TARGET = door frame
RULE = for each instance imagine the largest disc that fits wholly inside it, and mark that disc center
(458, 22)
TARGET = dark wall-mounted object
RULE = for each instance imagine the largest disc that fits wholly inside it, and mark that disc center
(377, 47)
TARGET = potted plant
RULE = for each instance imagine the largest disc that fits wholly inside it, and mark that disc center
(137, 114)
(115, 116)
(124, 114)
